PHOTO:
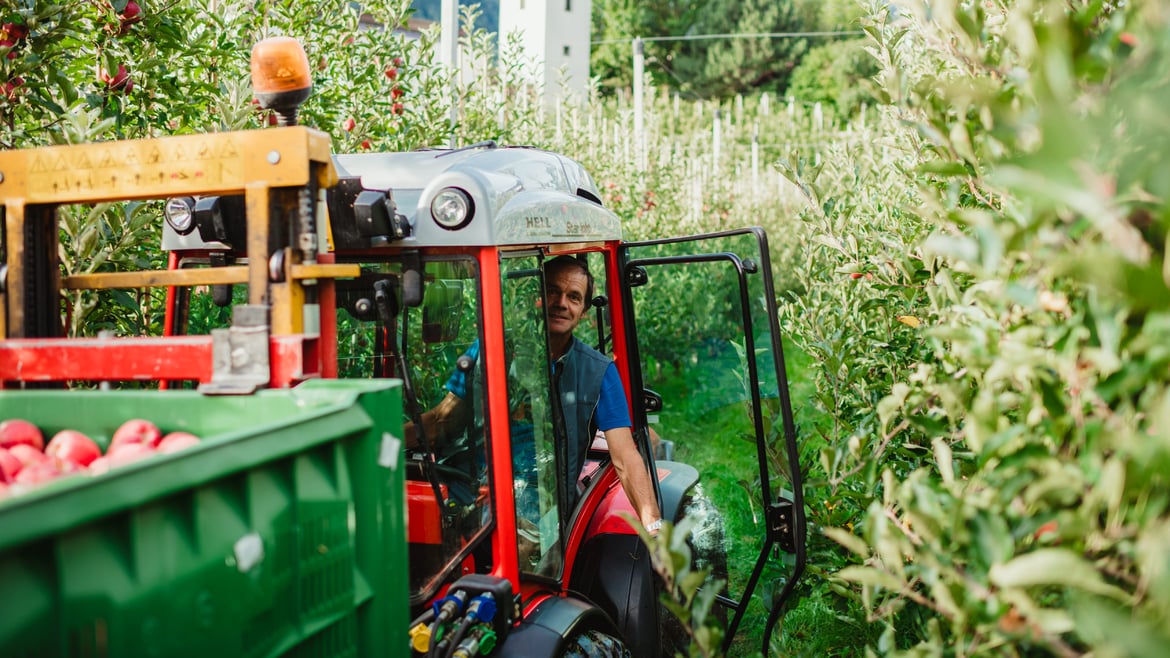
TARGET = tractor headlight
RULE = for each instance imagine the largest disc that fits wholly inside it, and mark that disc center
(180, 214)
(452, 208)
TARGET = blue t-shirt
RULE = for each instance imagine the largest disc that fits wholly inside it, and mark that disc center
(611, 411)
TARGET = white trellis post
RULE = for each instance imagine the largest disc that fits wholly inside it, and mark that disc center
(560, 137)
(716, 128)
(818, 117)
(449, 56)
(764, 109)
(639, 100)
(756, 159)
(501, 115)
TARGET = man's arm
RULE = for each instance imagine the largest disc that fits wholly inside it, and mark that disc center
(440, 424)
(632, 473)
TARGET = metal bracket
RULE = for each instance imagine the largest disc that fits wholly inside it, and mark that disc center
(240, 353)
(781, 524)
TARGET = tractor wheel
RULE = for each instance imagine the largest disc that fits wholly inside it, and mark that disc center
(595, 644)
(708, 551)
(707, 540)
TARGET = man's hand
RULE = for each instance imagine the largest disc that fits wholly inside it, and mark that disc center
(440, 424)
(632, 473)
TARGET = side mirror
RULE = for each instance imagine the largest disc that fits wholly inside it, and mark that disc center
(651, 401)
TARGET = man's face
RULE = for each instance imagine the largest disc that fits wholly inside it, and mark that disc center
(564, 298)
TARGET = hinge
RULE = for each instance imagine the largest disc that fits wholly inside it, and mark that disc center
(781, 525)
(239, 354)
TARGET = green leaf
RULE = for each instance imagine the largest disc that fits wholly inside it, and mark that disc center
(1053, 566)
(849, 540)
(870, 576)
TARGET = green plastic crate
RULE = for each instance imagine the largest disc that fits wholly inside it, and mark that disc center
(283, 533)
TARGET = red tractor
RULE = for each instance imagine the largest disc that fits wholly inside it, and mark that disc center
(429, 267)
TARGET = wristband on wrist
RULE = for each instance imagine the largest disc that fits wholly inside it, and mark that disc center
(655, 525)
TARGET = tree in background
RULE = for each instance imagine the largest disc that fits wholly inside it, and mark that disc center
(838, 75)
(617, 22)
(726, 66)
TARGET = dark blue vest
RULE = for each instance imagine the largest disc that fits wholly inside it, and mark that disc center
(577, 379)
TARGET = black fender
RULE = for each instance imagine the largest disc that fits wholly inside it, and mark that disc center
(547, 630)
(614, 572)
(679, 480)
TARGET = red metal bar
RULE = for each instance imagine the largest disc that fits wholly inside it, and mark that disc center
(63, 359)
(327, 301)
(169, 317)
(503, 541)
(293, 359)
(169, 311)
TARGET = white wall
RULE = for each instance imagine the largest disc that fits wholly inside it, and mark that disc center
(546, 30)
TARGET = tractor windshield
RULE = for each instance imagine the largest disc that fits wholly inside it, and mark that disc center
(436, 345)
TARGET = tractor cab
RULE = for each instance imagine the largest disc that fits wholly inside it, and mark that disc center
(288, 263)
(450, 248)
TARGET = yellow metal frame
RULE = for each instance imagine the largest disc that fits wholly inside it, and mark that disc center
(255, 163)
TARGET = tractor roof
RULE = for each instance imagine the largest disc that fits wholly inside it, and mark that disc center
(519, 195)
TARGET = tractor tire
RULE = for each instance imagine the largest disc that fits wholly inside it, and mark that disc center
(708, 551)
(595, 644)
(707, 540)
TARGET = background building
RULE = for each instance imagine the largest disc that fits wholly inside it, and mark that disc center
(555, 35)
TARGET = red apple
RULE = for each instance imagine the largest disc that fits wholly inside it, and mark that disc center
(99, 465)
(27, 454)
(119, 81)
(37, 473)
(176, 441)
(132, 13)
(397, 92)
(397, 61)
(391, 72)
(397, 108)
(128, 453)
(366, 144)
(10, 87)
(18, 431)
(349, 124)
(73, 447)
(13, 31)
(9, 465)
(135, 430)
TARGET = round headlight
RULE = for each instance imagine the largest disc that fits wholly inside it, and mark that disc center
(452, 208)
(180, 214)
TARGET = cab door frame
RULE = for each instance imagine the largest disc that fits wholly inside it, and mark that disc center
(784, 518)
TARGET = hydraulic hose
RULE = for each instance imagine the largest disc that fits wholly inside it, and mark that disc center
(445, 611)
(482, 609)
